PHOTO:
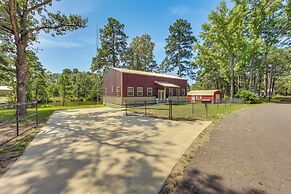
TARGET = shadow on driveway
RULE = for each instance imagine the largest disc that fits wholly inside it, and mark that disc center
(100, 151)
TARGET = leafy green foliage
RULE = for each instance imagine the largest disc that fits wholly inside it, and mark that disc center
(139, 55)
(21, 22)
(248, 97)
(239, 44)
(113, 46)
(179, 48)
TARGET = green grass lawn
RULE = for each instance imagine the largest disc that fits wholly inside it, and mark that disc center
(43, 113)
(184, 111)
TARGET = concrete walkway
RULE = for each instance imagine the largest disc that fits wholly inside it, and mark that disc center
(100, 151)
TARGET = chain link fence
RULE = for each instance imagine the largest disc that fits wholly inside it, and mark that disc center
(180, 110)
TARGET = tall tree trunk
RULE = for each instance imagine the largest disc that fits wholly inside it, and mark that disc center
(232, 77)
(21, 71)
(256, 80)
(251, 77)
(179, 63)
(36, 91)
(266, 71)
(258, 83)
(270, 86)
(273, 86)
(266, 83)
(64, 96)
(113, 54)
(245, 81)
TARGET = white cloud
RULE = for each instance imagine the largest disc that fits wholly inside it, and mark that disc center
(48, 43)
(180, 10)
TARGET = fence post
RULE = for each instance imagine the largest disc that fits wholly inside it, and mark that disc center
(126, 108)
(170, 110)
(206, 109)
(145, 108)
(36, 114)
(17, 120)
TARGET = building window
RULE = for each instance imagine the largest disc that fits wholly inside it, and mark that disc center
(130, 91)
(105, 91)
(112, 89)
(183, 92)
(139, 91)
(118, 91)
(178, 92)
(171, 92)
(198, 97)
(149, 91)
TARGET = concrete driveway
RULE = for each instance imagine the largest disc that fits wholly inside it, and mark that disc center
(100, 151)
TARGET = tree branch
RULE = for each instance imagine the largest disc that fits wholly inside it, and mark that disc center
(50, 27)
(5, 28)
(39, 5)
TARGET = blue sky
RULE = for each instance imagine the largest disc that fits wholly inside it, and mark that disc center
(76, 49)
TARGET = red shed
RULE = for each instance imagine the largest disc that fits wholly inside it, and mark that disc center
(124, 85)
(199, 96)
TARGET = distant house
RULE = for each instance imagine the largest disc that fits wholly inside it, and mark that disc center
(4, 93)
(131, 86)
(201, 96)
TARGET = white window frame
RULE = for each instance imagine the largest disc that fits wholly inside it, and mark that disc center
(151, 91)
(171, 92)
(137, 91)
(117, 91)
(128, 89)
(178, 92)
(183, 93)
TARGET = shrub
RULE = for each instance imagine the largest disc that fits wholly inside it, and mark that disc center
(248, 97)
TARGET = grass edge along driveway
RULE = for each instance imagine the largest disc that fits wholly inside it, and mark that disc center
(14, 149)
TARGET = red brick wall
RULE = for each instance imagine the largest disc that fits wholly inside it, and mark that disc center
(112, 78)
(133, 80)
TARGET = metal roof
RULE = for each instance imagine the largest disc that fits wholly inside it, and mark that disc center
(201, 92)
(146, 73)
(166, 84)
(5, 88)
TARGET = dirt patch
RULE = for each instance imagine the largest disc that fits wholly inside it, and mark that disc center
(12, 150)
(175, 179)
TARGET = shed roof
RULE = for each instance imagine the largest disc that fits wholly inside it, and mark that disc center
(5, 88)
(166, 84)
(202, 92)
(145, 73)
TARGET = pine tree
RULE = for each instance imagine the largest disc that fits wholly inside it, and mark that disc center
(113, 46)
(179, 48)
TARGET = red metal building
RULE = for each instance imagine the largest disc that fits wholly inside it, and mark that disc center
(201, 96)
(124, 85)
